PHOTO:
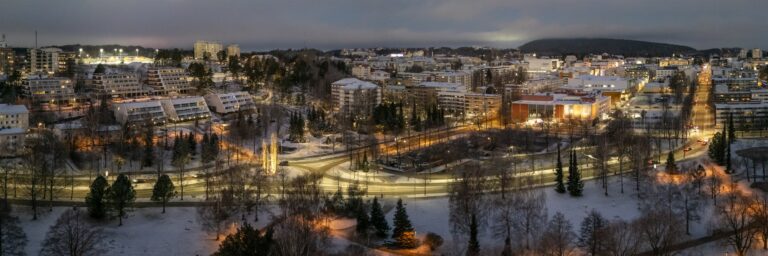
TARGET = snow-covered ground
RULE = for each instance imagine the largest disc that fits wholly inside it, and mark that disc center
(146, 231)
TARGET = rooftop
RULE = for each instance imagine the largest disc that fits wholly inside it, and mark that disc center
(13, 109)
(354, 83)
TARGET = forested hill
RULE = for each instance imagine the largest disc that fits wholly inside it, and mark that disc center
(582, 46)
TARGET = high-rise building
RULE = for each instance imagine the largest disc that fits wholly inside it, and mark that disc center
(743, 53)
(209, 49)
(757, 53)
(233, 50)
(43, 60)
(353, 95)
(6, 58)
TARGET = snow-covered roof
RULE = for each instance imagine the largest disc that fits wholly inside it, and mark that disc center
(354, 83)
(13, 109)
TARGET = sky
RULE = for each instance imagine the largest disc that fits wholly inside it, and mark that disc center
(334, 24)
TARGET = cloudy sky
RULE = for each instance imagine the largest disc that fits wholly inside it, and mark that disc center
(331, 24)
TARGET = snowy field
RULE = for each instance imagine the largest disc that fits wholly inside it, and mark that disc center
(146, 231)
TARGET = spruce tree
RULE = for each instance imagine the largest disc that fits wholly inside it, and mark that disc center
(363, 220)
(403, 232)
(728, 168)
(473, 248)
(247, 241)
(163, 190)
(95, 200)
(671, 165)
(121, 196)
(731, 129)
(378, 219)
(560, 187)
(149, 148)
(192, 143)
(575, 185)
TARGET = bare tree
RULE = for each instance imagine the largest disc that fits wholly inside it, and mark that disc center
(467, 198)
(659, 228)
(216, 212)
(298, 231)
(735, 216)
(761, 219)
(558, 237)
(12, 236)
(621, 239)
(72, 235)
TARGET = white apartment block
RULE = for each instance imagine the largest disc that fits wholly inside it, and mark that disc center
(757, 53)
(140, 112)
(119, 85)
(225, 103)
(168, 81)
(45, 60)
(52, 90)
(209, 49)
(459, 77)
(536, 65)
(14, 122)
(361, 71)
(352, 94)
(186, 109)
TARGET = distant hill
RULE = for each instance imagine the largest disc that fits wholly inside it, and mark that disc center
(582, 46)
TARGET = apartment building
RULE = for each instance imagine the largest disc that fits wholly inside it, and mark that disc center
(14, 122)
(51, 90)
(185, 109)
(7, 57)
(233, 50)
(118, 85)
(140, 112)
(205, 49)
(354, 95)
(168, 81)
(226, 103)
(481, 104)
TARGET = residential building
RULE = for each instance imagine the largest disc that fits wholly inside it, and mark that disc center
(185, 109)
(536, 65)
(560, 107)
(6, 58)
(661, 74)
(757, 53)
(225, 103)
(481, 104)
(14, 122)
(44, 61)
(745, 114)
(233, 50)
(140, 112)
(362, 71)
(459, 77)
(168, 81)
(353, 95)
(118, 85)
(428, 93)
(380, 75)
(205, 49)
(51, 90)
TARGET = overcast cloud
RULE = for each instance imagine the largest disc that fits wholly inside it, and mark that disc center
(331, 24)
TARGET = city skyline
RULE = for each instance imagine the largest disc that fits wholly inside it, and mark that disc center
(340, 24)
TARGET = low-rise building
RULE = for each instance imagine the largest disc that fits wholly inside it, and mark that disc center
(618, 88)
(560, 107)
(745, 114)
(118, 85)
(168, 81)
(185, 109)
(225, 103)
(140, 112)
(14, 122)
